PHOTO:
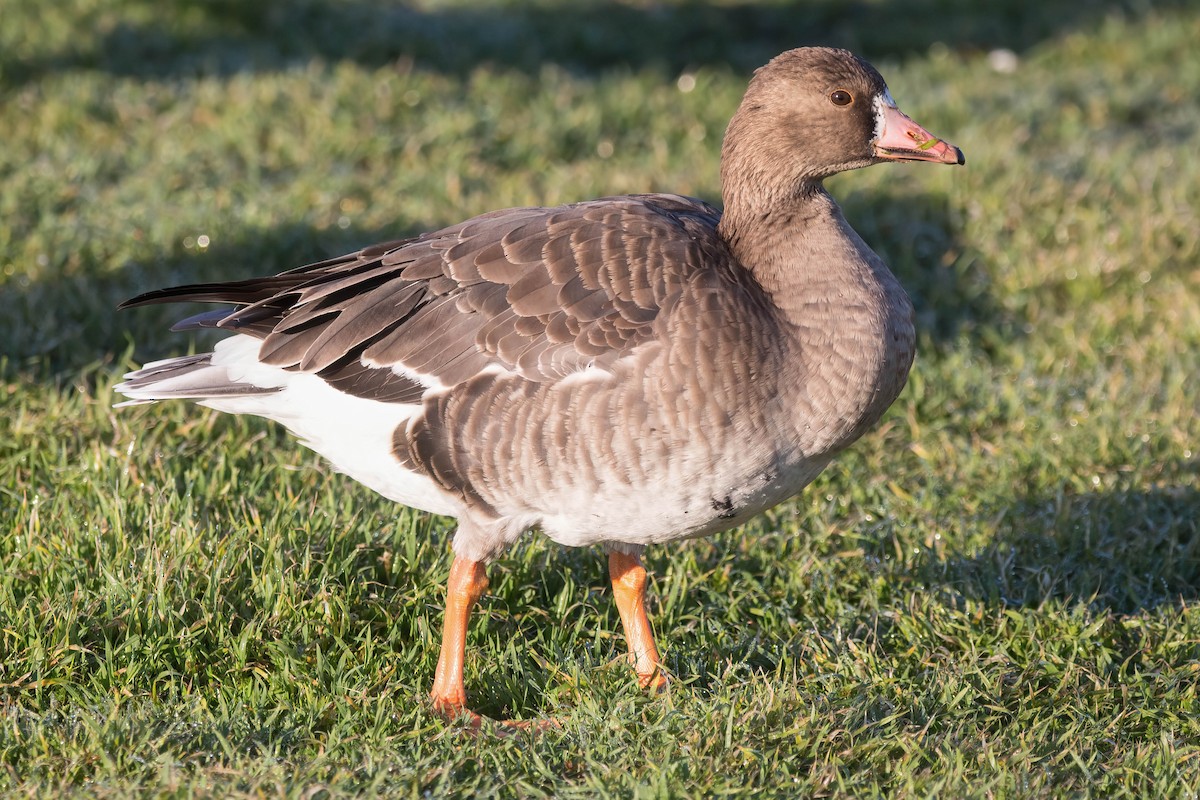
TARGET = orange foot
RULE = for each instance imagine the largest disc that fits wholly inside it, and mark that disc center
(455, 711)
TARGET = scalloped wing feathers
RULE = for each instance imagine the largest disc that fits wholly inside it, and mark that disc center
(542, 292)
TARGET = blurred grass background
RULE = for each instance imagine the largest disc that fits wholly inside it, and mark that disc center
(992, 595)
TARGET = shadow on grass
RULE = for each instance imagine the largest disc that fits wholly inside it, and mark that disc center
(1121, 552)
(186, 38)
(917, 234)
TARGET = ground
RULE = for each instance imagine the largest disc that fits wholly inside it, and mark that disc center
(994, 594)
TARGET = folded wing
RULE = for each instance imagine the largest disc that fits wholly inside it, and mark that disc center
(542, 292)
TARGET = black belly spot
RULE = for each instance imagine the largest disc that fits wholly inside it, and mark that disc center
(725, 507)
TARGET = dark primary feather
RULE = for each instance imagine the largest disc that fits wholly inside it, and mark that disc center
(540, 291)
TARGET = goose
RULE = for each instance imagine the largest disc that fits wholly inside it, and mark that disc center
(619, 373)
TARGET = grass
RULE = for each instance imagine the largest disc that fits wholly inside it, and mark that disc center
(994, 594)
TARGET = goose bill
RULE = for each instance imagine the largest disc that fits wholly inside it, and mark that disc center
(901, 139)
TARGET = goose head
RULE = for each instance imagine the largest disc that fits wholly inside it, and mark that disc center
(813, 112)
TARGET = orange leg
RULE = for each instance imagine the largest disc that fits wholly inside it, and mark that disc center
(629, 589)
(468, 582)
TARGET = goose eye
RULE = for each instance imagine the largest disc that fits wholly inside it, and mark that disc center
(840, 97)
